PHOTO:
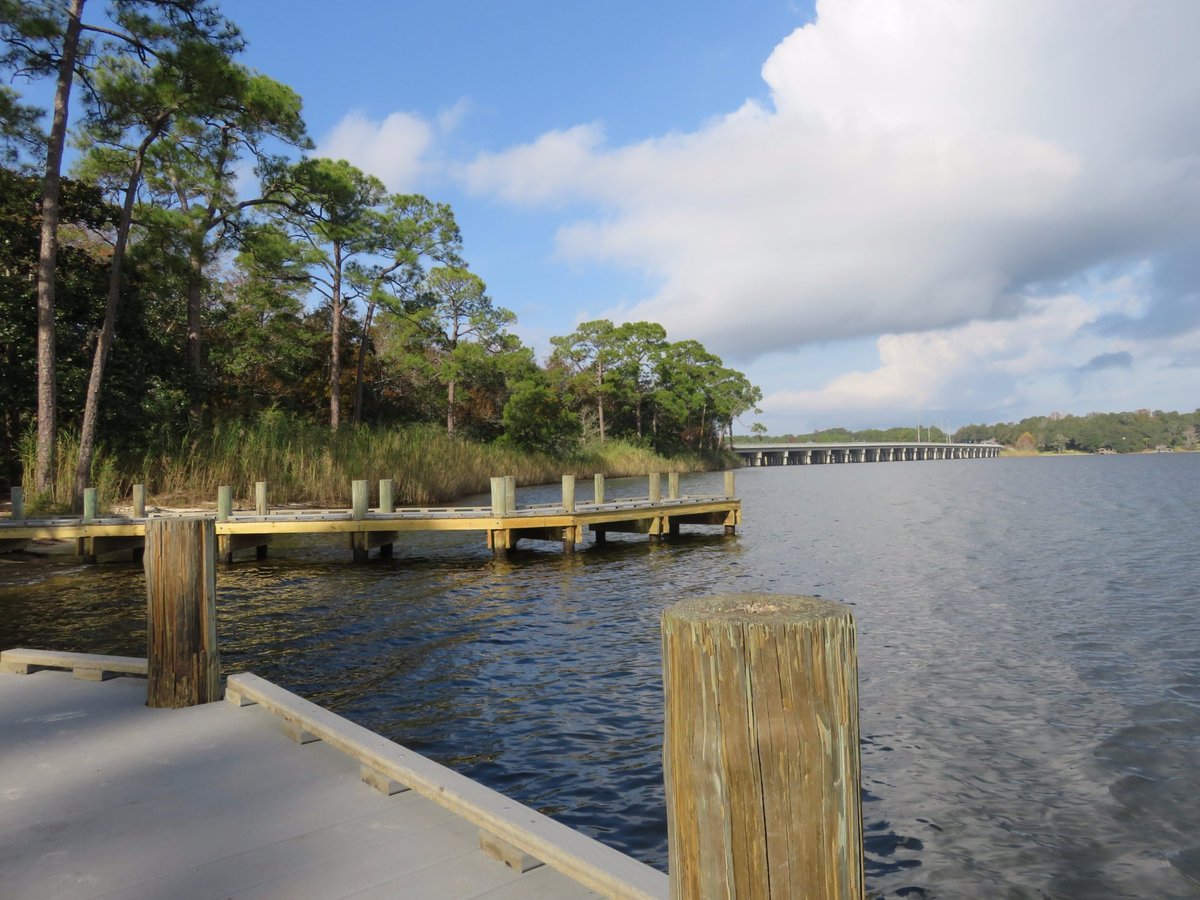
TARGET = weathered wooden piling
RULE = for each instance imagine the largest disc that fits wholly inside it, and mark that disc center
(224, 511)
(260, 498)
(510, 493)
(730, 493)
(387, 504)
(654, 487)
(761, 756)
(139, 501)
(181, 618)
(17, 496)
(568, 493)
(360, 493)
(673, 485)
(598, 495)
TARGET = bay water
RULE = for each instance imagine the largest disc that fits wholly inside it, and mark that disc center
(1029, 654)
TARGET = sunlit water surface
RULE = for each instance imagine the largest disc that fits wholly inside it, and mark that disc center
(1029, 658)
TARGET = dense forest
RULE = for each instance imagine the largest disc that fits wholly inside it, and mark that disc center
(146, 300)
(1124, 432)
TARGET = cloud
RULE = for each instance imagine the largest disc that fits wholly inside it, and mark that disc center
(921, 165)
(393, 149)
(1120, 360)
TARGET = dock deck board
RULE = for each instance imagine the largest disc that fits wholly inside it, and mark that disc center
(101, 796)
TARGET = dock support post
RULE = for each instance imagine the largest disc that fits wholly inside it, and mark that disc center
(761, 757)
(654, 487)
(498, 537)
(673, 485)
(260, 509)
(18, 503)
(224, 511)
(510, 493)
(86, 547)
(568, 493)
(730, 493)
(184, 667)
(137, 554)
(359, 498)
(387, 504)
(599, 489)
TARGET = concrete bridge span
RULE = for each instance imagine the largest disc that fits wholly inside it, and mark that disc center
(804, 454)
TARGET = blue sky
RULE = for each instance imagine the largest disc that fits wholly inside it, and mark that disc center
(882, 211)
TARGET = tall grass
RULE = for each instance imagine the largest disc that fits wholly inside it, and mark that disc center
(308, 464)
(105, 477)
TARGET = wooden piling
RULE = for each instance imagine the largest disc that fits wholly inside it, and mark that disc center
(568, 493)
(260, 498)
(224, 511)
(224, 503)
(181, 619)
(654, 487)
(730, 487)
(139, 501)
(18, 503)
(387, 504)
(498, 497)
(360, 493)
(510, 493)
(761, 756)
(599, 489)
(673, 485)
(89, 505)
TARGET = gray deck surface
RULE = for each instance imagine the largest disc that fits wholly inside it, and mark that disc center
(102, 797)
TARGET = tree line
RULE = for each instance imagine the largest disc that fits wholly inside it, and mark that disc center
(1121, 432)
(146, 293)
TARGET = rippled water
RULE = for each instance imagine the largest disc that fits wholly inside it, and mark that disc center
(1029, 658)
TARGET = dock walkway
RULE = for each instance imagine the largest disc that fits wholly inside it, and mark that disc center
(503, 523)
(101, 796)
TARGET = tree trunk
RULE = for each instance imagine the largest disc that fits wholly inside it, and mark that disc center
(600, 397)
(362, 364)
(47, 402)
(335, 356)
(91, 408)
(450, 406)
(195, 287)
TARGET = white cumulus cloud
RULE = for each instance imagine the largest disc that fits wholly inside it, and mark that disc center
(393, 149)
(921, 165)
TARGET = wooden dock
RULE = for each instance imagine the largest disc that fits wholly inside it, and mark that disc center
(266, 796)
(504, 523)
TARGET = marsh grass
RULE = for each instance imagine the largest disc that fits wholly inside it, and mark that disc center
(56, 499)
(308, 464)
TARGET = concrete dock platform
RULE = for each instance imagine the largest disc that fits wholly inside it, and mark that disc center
(101, 796)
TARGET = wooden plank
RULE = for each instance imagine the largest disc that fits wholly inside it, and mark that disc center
(587, 861)
(22, 661)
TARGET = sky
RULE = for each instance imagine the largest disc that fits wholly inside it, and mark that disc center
(884, 212)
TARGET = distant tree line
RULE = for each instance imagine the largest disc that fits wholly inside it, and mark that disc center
(1122, 432)
(151, 294)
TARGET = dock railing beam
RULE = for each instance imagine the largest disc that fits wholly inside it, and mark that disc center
(761, 756)
(184, 667)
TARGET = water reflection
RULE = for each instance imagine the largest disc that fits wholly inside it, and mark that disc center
(1029, 658)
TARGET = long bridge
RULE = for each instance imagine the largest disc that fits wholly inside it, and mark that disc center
(813, 453)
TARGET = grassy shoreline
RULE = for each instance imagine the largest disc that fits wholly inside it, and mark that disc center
(308, 464)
